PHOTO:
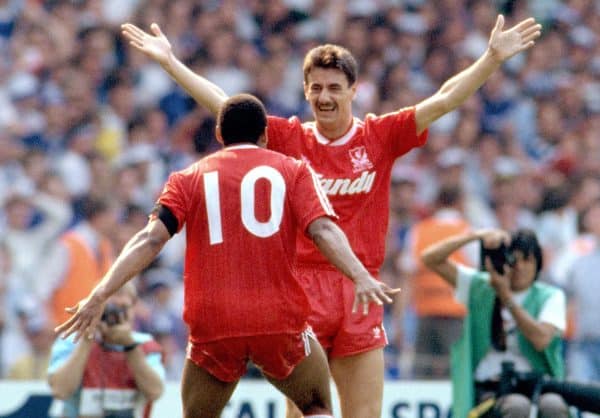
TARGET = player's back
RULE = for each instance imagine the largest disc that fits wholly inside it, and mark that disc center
(244, 205)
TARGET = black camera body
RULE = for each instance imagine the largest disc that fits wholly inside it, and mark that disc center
(499, 256)
(583, 396)
(113, 314)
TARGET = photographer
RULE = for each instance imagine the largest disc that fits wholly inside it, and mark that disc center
(118, 374)
(511, 318)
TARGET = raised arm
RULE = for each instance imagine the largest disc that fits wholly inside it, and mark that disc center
(137, 254)
(436, 256)
(502, 45)
(157, 46)
(334, 245)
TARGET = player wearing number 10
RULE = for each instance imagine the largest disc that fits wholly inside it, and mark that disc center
(242, 207)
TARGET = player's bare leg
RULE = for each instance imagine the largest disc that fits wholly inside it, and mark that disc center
(308, 386)
(359, 381)
(202, 394)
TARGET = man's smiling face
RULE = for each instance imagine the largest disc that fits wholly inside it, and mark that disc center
(330, 96)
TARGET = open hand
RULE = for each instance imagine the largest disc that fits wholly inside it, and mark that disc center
(371, 290)
(506, 43)
(85, 319)
(155, 45)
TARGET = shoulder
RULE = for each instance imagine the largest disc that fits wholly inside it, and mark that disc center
(279, 122)
(471, 276)
(469, 282)
(548, 291)
(406, 113)
(147, 341)
(64, 344)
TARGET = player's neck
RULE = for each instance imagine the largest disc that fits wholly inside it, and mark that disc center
(333, 131)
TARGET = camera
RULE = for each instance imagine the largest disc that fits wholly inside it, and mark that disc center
(113, 314)
(583, 396)
(499, 256)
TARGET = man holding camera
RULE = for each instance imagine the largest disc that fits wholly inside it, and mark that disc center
(512, 320)
(117, 374)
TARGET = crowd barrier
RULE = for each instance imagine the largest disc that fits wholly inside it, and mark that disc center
(251, 399)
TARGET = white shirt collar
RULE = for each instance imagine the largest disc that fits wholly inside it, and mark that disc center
(344, 139)
(241, 146)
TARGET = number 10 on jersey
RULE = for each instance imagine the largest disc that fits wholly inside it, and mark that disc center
(247, 203)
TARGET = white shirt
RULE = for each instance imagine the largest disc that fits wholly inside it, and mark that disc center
(554, 312)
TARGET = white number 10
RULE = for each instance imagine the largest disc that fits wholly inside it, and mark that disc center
(247, 188)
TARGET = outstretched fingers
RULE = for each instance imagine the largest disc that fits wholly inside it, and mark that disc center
(531, 30)
(531, 35)
(389, 291)
(355, 303)
(525, 24)
(379, 296)
(137, 44)
(132, 38)
(131, 30)
(70, 326)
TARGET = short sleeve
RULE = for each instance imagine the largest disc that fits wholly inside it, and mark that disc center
(554, 311)
(464, 277)
(398, 130)
(282, 133)
(60, 352)
(173, 196)
(308, 199)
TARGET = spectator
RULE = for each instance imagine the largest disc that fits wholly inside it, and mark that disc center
(82, 256)
(117, 358)
(439, 316)
(511, 318)
(13, 341)
(582, 287)
(40, 335)
(34, 221)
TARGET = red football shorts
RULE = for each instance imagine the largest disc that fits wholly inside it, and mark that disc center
(275, 355)
(340, 332)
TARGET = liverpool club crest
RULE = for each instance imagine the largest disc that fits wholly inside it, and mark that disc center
(359, 159)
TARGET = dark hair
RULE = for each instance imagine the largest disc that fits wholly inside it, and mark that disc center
(92, 206)
(525, 241)
(242, 118)
(449, 196)
(556, 197)
(331, 56)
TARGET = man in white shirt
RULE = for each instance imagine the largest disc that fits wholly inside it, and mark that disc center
(511, 318)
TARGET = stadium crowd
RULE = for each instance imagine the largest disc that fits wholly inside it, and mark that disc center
(90, 129)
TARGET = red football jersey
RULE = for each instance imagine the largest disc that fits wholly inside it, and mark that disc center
(243, 207)
(354, 171)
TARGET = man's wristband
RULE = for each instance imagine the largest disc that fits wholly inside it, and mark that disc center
(130, 347)
(120, 348)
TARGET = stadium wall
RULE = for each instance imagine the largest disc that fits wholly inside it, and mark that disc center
(252, 399)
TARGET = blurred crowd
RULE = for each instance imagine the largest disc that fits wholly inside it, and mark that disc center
(89, 130)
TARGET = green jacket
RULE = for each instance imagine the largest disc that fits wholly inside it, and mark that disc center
(475, 341)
